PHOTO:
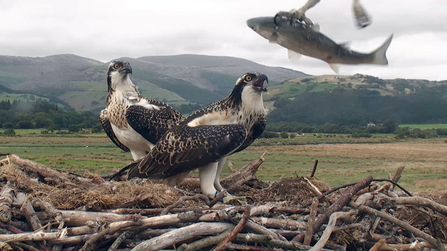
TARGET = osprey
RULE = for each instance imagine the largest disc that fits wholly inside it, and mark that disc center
(207, 137)
(132, 122)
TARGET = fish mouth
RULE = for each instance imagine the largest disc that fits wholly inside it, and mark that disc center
(259, 83)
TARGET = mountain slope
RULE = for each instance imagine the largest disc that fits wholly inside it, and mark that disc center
(183, 79)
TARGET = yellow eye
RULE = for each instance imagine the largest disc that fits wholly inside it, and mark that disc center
(116, 66)
(247, 78)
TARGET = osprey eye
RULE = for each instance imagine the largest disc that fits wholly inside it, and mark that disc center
(248, 78)
(116, 66)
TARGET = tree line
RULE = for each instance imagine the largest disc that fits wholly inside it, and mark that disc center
(43, 114)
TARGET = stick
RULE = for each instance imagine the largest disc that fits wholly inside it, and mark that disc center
(39, 168)
(404, 225)
(310, 222)
(90, 244)
(256, 228)
(120, 240)
(422, 202)
(235, 231)
(182, 234)
(203, 243)
(314, 169)
(342, 201)
(6, 198)
(247, 173)
(30, 215)
(329, 228)
(286, 224)
(183, 199)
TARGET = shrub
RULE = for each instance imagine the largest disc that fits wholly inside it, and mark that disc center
(9, 132)
(284, 135)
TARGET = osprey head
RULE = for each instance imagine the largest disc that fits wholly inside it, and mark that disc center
(252, 80)
(248, 89)
(118, 72)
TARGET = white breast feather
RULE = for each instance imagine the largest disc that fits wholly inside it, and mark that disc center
(215, 118)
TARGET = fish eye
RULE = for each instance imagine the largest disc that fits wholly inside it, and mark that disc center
(248, 78)
(116, 66)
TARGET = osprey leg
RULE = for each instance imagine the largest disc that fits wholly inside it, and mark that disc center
(207, 175)
(220, 166)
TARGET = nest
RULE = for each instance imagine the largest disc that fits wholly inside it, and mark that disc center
(45, 209)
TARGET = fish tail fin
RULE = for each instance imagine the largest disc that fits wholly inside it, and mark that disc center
(379, 55)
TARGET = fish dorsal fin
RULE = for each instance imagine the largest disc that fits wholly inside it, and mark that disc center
(335, 67)
(315, 27)
(294, 56)
(346, 45)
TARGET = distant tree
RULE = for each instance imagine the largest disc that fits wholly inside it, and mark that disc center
(8, 125)
(74, 128)
(24, 125)
(53, 127)
(292, 135)
(97, 128)
(268, 135)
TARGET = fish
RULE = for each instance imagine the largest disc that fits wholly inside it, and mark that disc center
(361, 17)
(301, 39)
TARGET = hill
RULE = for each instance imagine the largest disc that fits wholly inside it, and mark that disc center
(81, 82)
(357, 100)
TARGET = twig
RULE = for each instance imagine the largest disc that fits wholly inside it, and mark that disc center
(25, 246)
(89, 245)
(404, 225)
(342, 201)
(235, 231)
(120, 240)
(314, 169)
(181, 234)
(422, 202)
(218, 198)
(310, 222)
(249, 248)
(183, 199)
(203, 243)
(329, 228)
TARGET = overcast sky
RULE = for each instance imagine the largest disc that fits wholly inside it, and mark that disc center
(105, 30)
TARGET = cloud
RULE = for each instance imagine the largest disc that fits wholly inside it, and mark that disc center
(104, 30)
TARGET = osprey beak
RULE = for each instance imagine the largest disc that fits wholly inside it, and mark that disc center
(126, 68)
(260, 82)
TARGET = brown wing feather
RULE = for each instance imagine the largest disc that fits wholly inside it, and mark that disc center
(185, 148)
(151, 123)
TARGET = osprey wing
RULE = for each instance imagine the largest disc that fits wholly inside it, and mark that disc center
(105, 122)
(185, 148)
(255, 131)
(152, 123)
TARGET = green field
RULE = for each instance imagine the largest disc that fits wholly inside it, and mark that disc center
(424, 126)
(342, 161)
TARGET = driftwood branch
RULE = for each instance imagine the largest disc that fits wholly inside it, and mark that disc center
(6, 198)
(181, 234)
(310, 222)
(330, 228)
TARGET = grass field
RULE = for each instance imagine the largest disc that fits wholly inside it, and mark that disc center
(339, 162)
(425, 126)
